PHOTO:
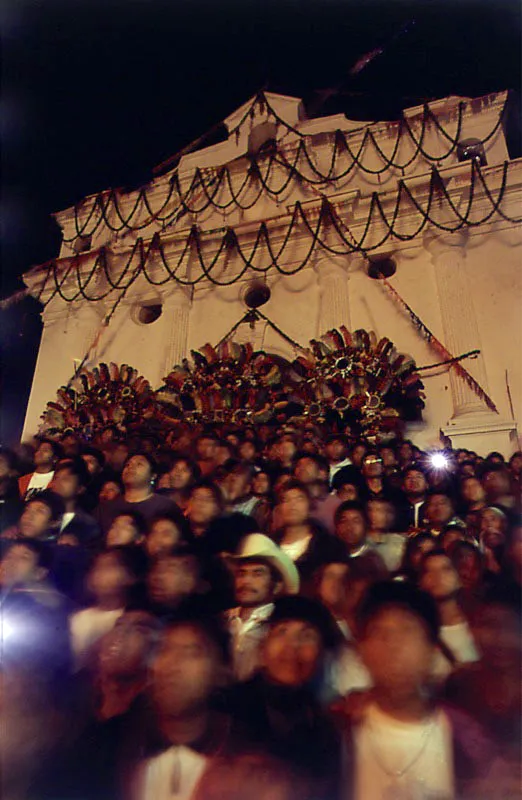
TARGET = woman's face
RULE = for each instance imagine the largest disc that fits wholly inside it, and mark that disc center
(294, 507)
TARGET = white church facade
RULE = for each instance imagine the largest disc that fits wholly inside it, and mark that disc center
(314, 208)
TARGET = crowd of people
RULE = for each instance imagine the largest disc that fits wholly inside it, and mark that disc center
(258, 613)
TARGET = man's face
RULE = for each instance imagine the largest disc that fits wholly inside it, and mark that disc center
(254, 584)
(348, 491)
(397, 651)
(122, 531)
(180, 475)
(440, 578)
(291, 652)
(286, 448)
(332, 586)
(202, 507)
(92, 464)
(44, 456)
(380, 515)
(372, 467)
(358, 454)
(415, 483)
(473, 491)
(65, 483)
(439, 510)
(20, 565)
(35, 520)
(237, 485)
(124, 650)
(109, 491)
(294, 507)
(306, 470)
(172, 578)
(351, 527)
(185, 671)
(137, 473)
(388, 457)
(164, 534)
(261, 483)
(206, 449)
(335, 451)
(496, 483)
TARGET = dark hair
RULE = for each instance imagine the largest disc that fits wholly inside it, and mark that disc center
(77, 467)
(297, 607)
(53, 502)
(437, 552)
(414, 468)
(350, 505)
(191, 464)
(293, 483)
(391, 594)
(95, 453)
(55, 446)
(131, 558)
(206, 483)
(347, 475)
(11, 458)
(412, 544)
(495, 454)
(178, 519)
(320, 461)
(42, 550)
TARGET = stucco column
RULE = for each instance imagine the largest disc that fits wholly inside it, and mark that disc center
(334, 295)
(176, 309)
(459, 321)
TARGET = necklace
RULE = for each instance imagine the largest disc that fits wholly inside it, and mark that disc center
(400, 773)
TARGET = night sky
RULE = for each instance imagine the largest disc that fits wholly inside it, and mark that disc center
(96, 94)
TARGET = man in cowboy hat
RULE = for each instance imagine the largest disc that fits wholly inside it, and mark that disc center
(261, 572)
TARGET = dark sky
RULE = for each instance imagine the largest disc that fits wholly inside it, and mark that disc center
(96, 94)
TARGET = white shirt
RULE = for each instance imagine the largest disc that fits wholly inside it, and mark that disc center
(87, 627)
(296, 549)
(460, 641)
(173, 775)
(397, 760)
(39, 481)
(247, 635)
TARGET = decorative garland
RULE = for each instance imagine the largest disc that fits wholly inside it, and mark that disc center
(56, 278)
(344, 380)
(301, 168)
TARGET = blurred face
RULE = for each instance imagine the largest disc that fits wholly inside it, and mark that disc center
(20, 565)
(286, 450)
(44, 456)
(66, 484)
(332, 586)
(515, 549)
(397, 651)
(405, 453)
(516, 465)
(468, 569)
(440, 578)
(92, 464)
(109, 491)
(335, 451)
(119, 456)
(222, 454)
(123, 531)
(358, 454)
(497, 633)
(439, 509)
(468, 470)
(36, 520)
(306, 470)
(294, 507)
(254, 585)
(351, 528)
(180, 476)
(380, 515)
(237, 485)
(173, 578)
(372, 467)
(124, 651)
(473, 491)
(347, 492)
(388, 457)
(492, 527)
(292, 652)
(415, 483)
(137, 473)
(202, 507)
(424, 546)
(261, 484)
(206, 449)
(247, 451)
(496, 484)
(108, 577)
(185, 671)
(163, 535)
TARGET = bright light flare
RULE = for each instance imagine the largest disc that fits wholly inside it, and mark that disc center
(439, 461)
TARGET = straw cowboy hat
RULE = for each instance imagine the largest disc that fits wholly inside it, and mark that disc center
(256, 545)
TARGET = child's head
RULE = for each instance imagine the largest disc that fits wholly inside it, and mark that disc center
(127, 528)
(398, 627)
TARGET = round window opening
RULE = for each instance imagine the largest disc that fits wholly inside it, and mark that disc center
(147, 314)
(379, 268)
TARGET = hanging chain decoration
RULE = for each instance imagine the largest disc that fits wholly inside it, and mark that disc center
(105, 208)
(453, 362)
(71, 278)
